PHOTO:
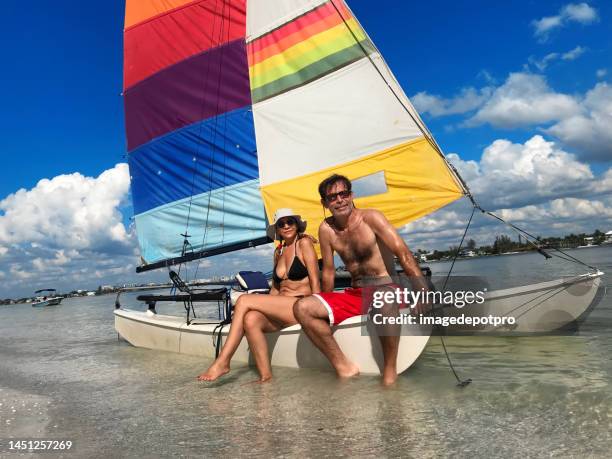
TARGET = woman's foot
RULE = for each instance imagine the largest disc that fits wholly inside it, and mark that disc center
(216, 370)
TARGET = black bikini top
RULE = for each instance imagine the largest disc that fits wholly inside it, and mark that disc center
(296, 272)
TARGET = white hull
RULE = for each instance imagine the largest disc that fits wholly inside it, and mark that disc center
(536, 308)
(289, 348)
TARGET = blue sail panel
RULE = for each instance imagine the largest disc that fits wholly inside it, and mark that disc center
(217, 218)
(204, 156)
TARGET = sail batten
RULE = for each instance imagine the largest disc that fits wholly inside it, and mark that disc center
(237, 108)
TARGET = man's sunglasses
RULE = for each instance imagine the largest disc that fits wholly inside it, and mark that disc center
(331, 197)
(285, 222)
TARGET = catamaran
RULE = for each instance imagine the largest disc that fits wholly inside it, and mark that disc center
(236, 108)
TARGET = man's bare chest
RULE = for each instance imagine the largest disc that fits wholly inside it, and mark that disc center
(357, 245)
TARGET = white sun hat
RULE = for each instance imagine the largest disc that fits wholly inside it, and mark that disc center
(282, 213)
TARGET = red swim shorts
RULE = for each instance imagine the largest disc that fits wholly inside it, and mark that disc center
(342, 305)
(349, 303)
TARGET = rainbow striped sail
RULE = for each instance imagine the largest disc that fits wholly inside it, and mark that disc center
(235, 108)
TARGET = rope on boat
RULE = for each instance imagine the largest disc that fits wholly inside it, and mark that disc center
(528, 237)
(465, 382)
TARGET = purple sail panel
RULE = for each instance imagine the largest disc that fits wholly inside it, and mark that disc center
(198, 88)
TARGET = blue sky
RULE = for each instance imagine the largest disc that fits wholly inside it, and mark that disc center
(481, 73)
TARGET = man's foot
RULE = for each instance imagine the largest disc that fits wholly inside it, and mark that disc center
(261, 380)
(216, 370)
(389, 377)
(350, 370)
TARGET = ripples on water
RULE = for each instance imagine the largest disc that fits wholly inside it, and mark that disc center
(64, 374)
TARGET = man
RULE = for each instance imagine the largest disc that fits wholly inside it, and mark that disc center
(366, 242)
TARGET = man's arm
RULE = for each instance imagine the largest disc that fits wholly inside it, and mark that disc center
(327, 254)
(389, 236)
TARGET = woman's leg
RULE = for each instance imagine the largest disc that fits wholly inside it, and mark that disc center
(275, 307)
(255, 325)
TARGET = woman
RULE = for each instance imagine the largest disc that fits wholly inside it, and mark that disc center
(295, 275)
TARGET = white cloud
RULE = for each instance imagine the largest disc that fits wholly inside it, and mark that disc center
(579, 12)
(601, 73)
(467, 100)
(68, 211)
(581, 122)
(588, 131)
(566, 208)
(544, 189)
(524, 99)
(18, 273)
(511, 175)
(541, 64)
(574, 53)
(60, 259)
(574, 12)
(57, 231)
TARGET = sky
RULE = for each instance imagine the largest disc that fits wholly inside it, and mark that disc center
(518, 95)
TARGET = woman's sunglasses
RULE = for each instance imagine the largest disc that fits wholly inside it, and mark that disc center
(285, 222)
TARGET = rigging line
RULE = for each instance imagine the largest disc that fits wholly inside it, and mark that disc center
(530, 307)
(465, 382)
(458, 249)
(215, 132)
(416, 119)
(224, 150)
(200, 127)
(552, 294)
(200, 143)
(535, 238)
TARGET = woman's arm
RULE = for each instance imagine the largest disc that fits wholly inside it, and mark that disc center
(311, 263)
(274, 289)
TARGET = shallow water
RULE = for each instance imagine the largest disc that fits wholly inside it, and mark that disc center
(65, 375)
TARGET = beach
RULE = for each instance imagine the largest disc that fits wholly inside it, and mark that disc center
(65, 375)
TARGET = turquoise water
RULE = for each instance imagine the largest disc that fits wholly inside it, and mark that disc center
(65, 375)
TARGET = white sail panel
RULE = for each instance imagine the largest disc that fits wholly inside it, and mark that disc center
(265, 15)
(334, 120)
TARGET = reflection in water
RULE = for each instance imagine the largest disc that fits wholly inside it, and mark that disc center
(66, 375)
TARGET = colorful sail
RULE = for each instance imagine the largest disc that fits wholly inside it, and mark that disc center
(231, 102)
(189, 123)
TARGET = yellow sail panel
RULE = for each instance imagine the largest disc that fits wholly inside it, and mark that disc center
(417, 178)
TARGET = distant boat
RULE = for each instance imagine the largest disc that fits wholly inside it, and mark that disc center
(589, 242)
(48, 299)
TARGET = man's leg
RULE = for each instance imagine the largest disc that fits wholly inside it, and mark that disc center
(312, 315)
(389, 335)
(390, 345)
(255, 325)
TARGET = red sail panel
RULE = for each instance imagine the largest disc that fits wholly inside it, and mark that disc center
(169, 38)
